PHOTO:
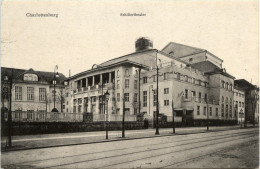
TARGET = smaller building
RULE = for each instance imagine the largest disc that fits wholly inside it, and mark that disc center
(239, 104)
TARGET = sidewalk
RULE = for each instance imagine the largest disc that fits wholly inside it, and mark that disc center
(67, 139)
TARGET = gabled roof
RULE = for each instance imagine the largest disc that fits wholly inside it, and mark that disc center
(180, 50)
(44, 77)
(210, 69)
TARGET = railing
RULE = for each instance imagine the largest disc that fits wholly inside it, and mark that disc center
(23, 116)
(113, 117)
(199, 100)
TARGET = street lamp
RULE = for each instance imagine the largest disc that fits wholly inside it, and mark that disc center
(107, 98)
(55, 75)
(10, 109)
(254, 97)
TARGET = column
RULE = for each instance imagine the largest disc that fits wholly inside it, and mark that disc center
(101, 80)
(89, 104)
(109, 80)
(86, 82)
(93, 80)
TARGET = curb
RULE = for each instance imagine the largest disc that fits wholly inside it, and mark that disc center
(117, 139)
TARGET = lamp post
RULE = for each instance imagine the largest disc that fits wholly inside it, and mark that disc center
(254, 98)
(157, 93)
(55, 74)
(107, 97)
(10, 110)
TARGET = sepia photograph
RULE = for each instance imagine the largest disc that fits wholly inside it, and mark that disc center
(129, 84)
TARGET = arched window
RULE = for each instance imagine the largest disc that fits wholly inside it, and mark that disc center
(226, 85)
(226, 100)
(126, 72)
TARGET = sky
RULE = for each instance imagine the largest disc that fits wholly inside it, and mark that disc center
(88, 32)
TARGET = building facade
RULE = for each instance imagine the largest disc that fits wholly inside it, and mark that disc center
(239, 104)
(190, 79)
(31, 91)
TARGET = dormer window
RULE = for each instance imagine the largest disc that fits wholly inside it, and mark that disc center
(30, 77)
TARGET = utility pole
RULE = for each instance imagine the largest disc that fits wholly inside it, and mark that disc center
(10, 113)
(173, 122)
(157, 100)
(123, 120)
(207, 115)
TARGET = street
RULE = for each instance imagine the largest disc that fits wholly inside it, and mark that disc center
(222, 149)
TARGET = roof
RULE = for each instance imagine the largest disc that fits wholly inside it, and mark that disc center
(210, 69)
(122, 58)
(181, 50)
(244, 84)
(126, 61)
(43, 77)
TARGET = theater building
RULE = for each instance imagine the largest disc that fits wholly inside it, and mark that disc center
(191, 78)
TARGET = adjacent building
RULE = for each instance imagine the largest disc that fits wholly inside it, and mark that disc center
(190, 79)
(31, 91)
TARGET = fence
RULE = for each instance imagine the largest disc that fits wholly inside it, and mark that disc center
(24, 116)
(113, 117)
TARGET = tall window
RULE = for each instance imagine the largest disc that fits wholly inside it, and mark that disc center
(216, 111)
(210, 111)
(178, 76)
(206, 97)
(166, 90)
(42, 94)
(154, 98)
(193, 93)
(18, 93)
(118, 97)
(126, 72)
(223, 84)
(186, 93)
(166, 102)
(79, 109)
(198, 110)
(165, 76)
(135, 97)
(127, 97)
(30, 93)
(239, 104)
(135, 84)
(145, 79)
(145, 98)
(118, 84)
(230, 111)
(205, 111)
(222, 110)
(126, 83)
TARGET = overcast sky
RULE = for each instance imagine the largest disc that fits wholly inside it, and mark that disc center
(91, 32)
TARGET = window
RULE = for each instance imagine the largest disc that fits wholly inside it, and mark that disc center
(154, 78)
(226, 100)
(79, 101)
(145, 98)
(118, 84)
(135, 84)
(226, 109)
(243, 104)
(165, 76)
(135, 97)
(223, 84)
(199, 97)
(126, 83)
(42, 94)
(198, 110)
(231, 87)
(239, 104)
(230, 101)
(30, 114)
(226, 85)
(186, 93)
(186, 78)
(145, 79)
(210, 111)
(30, 93)
(126, 72)
(236, 104)
(127, 111)
(18, 93)
(127, 97)
(93, 99)
(118, 97)
(74, 109)
(230, 111)
(222, 110)
(193, 93)
(154, 98)
(166, 102)
(79, 109)
(206, 97)
(216, 111)
(166, 90)
(205, 111)
(135, 111)
(178, 76)
(193, 80)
